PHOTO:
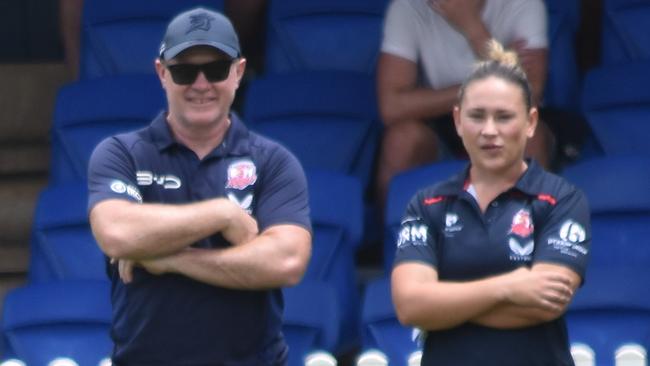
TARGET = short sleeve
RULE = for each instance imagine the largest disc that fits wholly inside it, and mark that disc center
(529, 23)
(565, 237)
(400, 34)
(111, 174)
(283, 197)
(416, 239)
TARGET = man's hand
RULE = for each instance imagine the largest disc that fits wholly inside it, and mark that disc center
(160, 265)
(125, 269)
(241, 227)
(464, 15)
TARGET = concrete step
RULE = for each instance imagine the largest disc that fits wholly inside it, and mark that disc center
(21, 158)
(27, 99)
(18, 196)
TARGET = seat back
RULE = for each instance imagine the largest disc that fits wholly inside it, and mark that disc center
(381, 329)
(88, 111)
(311, 319)
(123, 36)
(68, 319)
(625, 32)
(620, 120)
(328, 119)
(562, 83)
(402, 189)
(63, 246)
(324, 35)
(336, 204)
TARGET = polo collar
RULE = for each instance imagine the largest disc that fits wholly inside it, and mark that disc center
(235, 141)
(529, 183)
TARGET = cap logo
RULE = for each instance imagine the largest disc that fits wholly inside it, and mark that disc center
(200, 21)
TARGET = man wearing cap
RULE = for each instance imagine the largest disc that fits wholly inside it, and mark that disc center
(204, 220)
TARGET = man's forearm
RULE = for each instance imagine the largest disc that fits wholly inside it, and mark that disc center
(138, 231)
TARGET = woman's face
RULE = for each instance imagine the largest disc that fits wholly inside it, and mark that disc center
(494, 123)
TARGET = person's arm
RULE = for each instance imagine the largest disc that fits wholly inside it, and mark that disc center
(465, 17)
(534, 62)
(401, 99)
(508, 316)
(277, 257)
(133, 231)
(422, 300)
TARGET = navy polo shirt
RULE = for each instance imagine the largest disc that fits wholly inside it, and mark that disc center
(172, 319)
(542, 218)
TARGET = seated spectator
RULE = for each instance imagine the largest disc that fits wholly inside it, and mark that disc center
(429, 47)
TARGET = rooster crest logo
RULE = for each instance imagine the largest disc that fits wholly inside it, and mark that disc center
(522, 224)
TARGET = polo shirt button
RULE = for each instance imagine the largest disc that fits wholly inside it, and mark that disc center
(495, 204)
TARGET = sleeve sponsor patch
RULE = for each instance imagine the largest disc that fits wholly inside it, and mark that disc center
(413, 232)
(569, 239)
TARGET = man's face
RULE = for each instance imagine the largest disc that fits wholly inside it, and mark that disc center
(203, 101)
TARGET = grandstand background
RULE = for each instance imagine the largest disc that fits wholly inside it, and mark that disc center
(598, 69)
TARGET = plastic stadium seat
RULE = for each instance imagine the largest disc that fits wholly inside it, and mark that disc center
(583, 355)
(328, 119)
(63, 246)
(616, 103)
(372, 357)
(88, 111)
(320, 358)
(123, 36)
(381, 329)
(625, 31)
(337, 220)
(402, 188)
(619, 199)
(324, 35)
(311, 319)
(70, 319)
(631, 355)
(562, 83)
(612, 308)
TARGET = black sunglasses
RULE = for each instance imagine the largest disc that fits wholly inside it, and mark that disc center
(185, 74)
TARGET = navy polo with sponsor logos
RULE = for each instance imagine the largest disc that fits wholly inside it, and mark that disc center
(172, 319)
(541, 219)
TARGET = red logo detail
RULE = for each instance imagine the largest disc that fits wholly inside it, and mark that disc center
(547, 197)
(241, 174)
(432, 200)
(522, 224)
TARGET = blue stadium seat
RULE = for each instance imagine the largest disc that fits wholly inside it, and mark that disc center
(311, 319)
(381, 329)
(123, 36)
(402, 188)
(63, 246)
(613, 307)
(625, 31)
(88, 111)
(324, 35)
(562, 84)
(328, 119)
(619, 199)
(41, 322)
(337, 219)
(616, 103)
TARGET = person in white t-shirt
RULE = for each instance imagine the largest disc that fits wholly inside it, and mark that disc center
(428, 49)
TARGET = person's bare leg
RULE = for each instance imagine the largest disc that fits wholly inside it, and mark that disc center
(405, 145)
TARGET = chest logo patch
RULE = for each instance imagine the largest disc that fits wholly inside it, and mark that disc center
(241, 174)
(522, 224)
(452, 224)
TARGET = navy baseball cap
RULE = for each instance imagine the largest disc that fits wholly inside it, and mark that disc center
(199, 27)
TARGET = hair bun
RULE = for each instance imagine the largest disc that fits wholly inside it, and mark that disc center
(496, 52)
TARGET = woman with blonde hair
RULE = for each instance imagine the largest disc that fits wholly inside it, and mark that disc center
(488, 261)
